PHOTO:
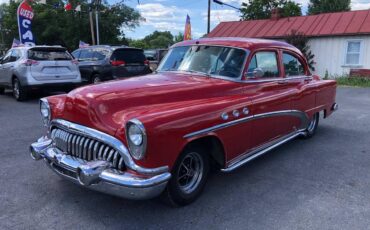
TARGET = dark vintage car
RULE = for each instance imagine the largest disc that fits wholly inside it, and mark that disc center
(103, 62)
(218, 103)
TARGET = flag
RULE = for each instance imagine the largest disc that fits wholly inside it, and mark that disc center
(68, 6)
(83, 44)
(78, 8)
(187, 33)
(25, 15)
(16, 43)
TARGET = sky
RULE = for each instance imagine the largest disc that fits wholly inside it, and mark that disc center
(170, 15)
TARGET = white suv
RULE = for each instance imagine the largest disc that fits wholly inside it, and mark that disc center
(25, 69)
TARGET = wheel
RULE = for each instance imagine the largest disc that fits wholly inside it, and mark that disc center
(19, 92)
(2, 90)
(189, 177)
(312, 126)
(95, 79)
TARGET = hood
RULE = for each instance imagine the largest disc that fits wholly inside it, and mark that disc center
(107, 106)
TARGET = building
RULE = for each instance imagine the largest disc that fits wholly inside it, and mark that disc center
(340, 41)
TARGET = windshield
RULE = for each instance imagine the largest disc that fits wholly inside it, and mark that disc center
(207, 60)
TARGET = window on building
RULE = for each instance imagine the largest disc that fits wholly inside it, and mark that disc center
(353, 53)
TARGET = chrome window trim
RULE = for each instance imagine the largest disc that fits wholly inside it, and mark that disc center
(109, 140)
(278, 79)
(237, 79)
(296, 113)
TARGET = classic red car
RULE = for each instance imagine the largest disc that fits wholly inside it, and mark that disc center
(212, 103)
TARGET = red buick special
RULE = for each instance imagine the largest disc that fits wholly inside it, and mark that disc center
(213, 103)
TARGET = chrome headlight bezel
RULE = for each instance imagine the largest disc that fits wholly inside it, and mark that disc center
(137, 150)
(45, 111)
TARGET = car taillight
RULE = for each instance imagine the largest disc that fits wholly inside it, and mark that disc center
(74, 61)
(117, 63)
(146, 62)
(30, 62)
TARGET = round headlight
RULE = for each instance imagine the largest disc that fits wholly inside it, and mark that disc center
(136, 138)
(45, 111)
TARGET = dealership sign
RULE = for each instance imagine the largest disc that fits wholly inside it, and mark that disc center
(25, 16)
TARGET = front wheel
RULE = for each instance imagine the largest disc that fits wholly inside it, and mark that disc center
(312, 126)
(95, 79)
(189, 177)
(19, 92)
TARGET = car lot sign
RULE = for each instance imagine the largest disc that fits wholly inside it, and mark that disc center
(25, 16)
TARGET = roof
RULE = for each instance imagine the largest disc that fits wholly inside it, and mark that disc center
(238, 42)
(329, 24)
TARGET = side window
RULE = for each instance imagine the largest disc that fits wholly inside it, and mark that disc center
(76, 54)
(292, 65)
(266, 61)
(14, 56)
(86, 55)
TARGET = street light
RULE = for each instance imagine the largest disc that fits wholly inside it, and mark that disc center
(222, 3)
(209, 11)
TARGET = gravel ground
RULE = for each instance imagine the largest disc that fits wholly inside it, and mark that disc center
(320, 183)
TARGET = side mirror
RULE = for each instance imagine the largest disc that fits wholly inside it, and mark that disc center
(258, 72)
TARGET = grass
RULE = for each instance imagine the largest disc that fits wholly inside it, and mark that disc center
(353, 81)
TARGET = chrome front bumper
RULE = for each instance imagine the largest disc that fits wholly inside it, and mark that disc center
(98, 175)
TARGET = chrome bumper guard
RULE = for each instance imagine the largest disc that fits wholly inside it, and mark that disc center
(98, 175)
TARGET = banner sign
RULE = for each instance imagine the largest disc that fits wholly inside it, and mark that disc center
(25, 16)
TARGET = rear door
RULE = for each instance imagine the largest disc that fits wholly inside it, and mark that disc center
(128, 62)
(52, 63)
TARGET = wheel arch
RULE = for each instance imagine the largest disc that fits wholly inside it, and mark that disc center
(213, 146)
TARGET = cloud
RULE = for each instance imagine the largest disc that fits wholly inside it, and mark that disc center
(163, 17)
(222, 16)
(360, 4)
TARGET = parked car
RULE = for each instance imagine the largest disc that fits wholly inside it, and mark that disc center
(154, 56)
(25, 69)
(217, 102)
(102, 62)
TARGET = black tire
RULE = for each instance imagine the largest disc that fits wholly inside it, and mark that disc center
(2, 90)
(186, 185)
(312, 126)
(19, 92)
(95, 79)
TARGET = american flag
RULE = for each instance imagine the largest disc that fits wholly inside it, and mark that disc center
(16, 43)
(83, 44)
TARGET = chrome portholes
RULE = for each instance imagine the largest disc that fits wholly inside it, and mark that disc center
(224, 116)
(236, 113)
(245, 111)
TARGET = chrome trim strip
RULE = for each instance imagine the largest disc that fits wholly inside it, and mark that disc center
(278, 79)
(109, 140)
(296, 113)
(249, 156)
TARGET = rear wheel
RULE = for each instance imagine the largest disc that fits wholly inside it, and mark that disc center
(189, 177)
(312, 126)
(19, 92)
(95, 79)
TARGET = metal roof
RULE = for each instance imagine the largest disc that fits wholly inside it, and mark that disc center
(329, 24)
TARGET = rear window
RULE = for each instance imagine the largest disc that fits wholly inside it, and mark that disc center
(129, 55)
(93, 54)
(49, 54)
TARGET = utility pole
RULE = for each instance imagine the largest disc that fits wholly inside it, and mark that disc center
(209, 17)
(91, 24)
(97, 22)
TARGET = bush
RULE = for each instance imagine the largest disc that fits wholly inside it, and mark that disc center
(353, 81)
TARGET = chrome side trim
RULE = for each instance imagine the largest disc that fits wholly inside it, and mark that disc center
(296, 113)
(109, 140)
(249, 156)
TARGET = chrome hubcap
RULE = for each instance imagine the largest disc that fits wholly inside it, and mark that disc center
(16, 89)
(96, 80)
(190, 172)
(312, 124)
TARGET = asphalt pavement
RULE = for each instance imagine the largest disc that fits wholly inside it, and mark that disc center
(320, 183)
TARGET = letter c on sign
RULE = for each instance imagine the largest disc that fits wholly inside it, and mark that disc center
(26, 23)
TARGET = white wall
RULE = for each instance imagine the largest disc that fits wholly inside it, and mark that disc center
(330, 54)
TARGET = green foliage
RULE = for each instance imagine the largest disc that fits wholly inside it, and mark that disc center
(154, 40)
(300, 41)
(328, 6)
(261, 9)
(55, 26)
(353, 81)
(179, 37)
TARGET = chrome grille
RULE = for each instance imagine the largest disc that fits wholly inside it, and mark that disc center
(86, 148)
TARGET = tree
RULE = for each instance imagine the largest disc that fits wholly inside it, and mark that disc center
(261, 9)
(327, 6)
(300, 41)
(179, 37)
(52, 25)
